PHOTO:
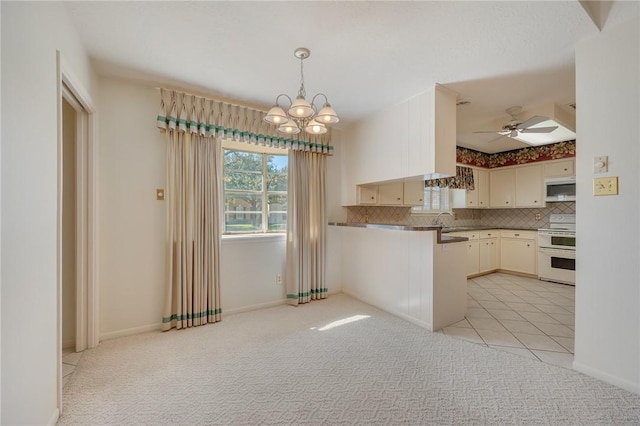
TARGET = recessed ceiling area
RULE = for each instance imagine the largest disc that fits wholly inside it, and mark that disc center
(364, 55)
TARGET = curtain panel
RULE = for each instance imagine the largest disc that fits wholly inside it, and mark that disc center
(193, 200)
(220, 120)
(306, 228)
(462, 180)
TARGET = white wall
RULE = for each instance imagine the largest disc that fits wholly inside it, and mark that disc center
(132, 222)
(607, 341)
(31, 34)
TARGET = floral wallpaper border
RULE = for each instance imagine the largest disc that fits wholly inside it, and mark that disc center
(532, 154)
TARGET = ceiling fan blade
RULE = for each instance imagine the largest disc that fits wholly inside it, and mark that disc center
(537, 119)
(487, 131)
(539, 129)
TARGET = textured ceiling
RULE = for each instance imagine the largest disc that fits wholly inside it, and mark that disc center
(364, 55)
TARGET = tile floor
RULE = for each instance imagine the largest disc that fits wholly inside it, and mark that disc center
(70, 360)
(520, 315)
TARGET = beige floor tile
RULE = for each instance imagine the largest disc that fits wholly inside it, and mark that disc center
(551, 309)
(554, 330)
(487, 304)
(535, 317)
(566, 342)
(524, 293)
(518, 351)
(486, 323)
(67, 369)
(72, 358)
(468, 334)
(560, 359)
(499, 338)
(564, 301)
(464, 323)
(471, 303)
(65, 379)
(502, 314)
(509, 297)
(566, 319)
(484, 296)
(521, 327)
(534, 300)
(571, 309)
(477, 313)
(540, 342)
(522, 307)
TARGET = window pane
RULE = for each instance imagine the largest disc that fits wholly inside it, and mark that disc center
(240, 160)
(277, 167)
(248, 181)
(277, 218)
(243, 212)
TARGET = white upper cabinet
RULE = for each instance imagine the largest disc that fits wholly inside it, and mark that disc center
(482, 187)
(414, 193)
(502, 188)
(391, 194)
(529, 186)
(560, 168)
(414, 138)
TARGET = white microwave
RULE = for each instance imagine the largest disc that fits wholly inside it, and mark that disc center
(560, 189)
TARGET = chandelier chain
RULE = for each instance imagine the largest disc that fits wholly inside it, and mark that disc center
(302, 92)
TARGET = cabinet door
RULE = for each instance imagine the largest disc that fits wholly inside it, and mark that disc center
(502, 187)
(390, 194)
(472, 194)
(482, 188)
(488, 252)
(414, 193)
(560, 168)
(473, 266)
(529, 186)
(368, 194)
(518, 255)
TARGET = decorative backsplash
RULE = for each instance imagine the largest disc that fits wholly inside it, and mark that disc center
(503, 218)
(518, 156)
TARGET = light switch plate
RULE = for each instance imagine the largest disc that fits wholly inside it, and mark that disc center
(605, 186)
(601, 164)
(159, 194)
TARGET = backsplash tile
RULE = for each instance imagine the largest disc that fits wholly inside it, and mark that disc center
(514, 218)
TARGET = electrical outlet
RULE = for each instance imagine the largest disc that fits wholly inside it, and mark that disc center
(159, 194)
(278, 279)
(537, 216)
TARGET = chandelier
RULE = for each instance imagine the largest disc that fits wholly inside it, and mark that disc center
(300, 113)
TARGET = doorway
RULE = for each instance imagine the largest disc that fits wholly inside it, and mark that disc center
(77, 295)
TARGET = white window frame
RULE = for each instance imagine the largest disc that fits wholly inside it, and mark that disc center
(264, 152)
(427, 208)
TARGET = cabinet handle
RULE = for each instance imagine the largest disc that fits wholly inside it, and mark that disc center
(420, 199)
(399, 199)
(372, 198)
(517, 235)
(535, 201)
(528, 245)
(566, 169)
(507, 202)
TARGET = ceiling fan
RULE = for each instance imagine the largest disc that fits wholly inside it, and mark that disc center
(515, 126)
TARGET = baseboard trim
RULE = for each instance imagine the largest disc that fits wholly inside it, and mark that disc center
(254, 307)
(54, 418)
(607, 378)
(405, 317)
(130, 331)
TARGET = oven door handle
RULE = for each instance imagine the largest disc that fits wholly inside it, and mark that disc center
(569, 254)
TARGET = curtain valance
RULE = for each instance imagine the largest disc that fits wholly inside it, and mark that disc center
(207, 117)
(462, 180)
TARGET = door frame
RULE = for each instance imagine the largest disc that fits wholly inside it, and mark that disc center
(70, 88)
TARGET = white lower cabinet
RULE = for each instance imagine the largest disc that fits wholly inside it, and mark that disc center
(519, 252)
(488, 251)
(473, 257)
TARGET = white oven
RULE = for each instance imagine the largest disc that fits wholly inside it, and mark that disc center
(557, 250)
(557, 265)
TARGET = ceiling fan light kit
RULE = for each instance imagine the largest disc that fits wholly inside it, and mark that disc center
(550, 124)
(301, 114)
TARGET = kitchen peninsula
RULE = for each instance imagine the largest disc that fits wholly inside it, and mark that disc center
(414, 272)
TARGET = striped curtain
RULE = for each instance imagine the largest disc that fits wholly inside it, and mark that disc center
(306, 228)
(462, 180)
(193, 200)
(220, 120)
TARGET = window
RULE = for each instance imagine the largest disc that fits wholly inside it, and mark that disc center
(436, 200)
(255, 192)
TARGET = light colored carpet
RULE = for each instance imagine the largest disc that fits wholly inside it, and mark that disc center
(287, 365)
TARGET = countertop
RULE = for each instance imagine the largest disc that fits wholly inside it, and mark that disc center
(442, 239)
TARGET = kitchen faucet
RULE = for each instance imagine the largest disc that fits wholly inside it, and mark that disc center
(437, 221)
